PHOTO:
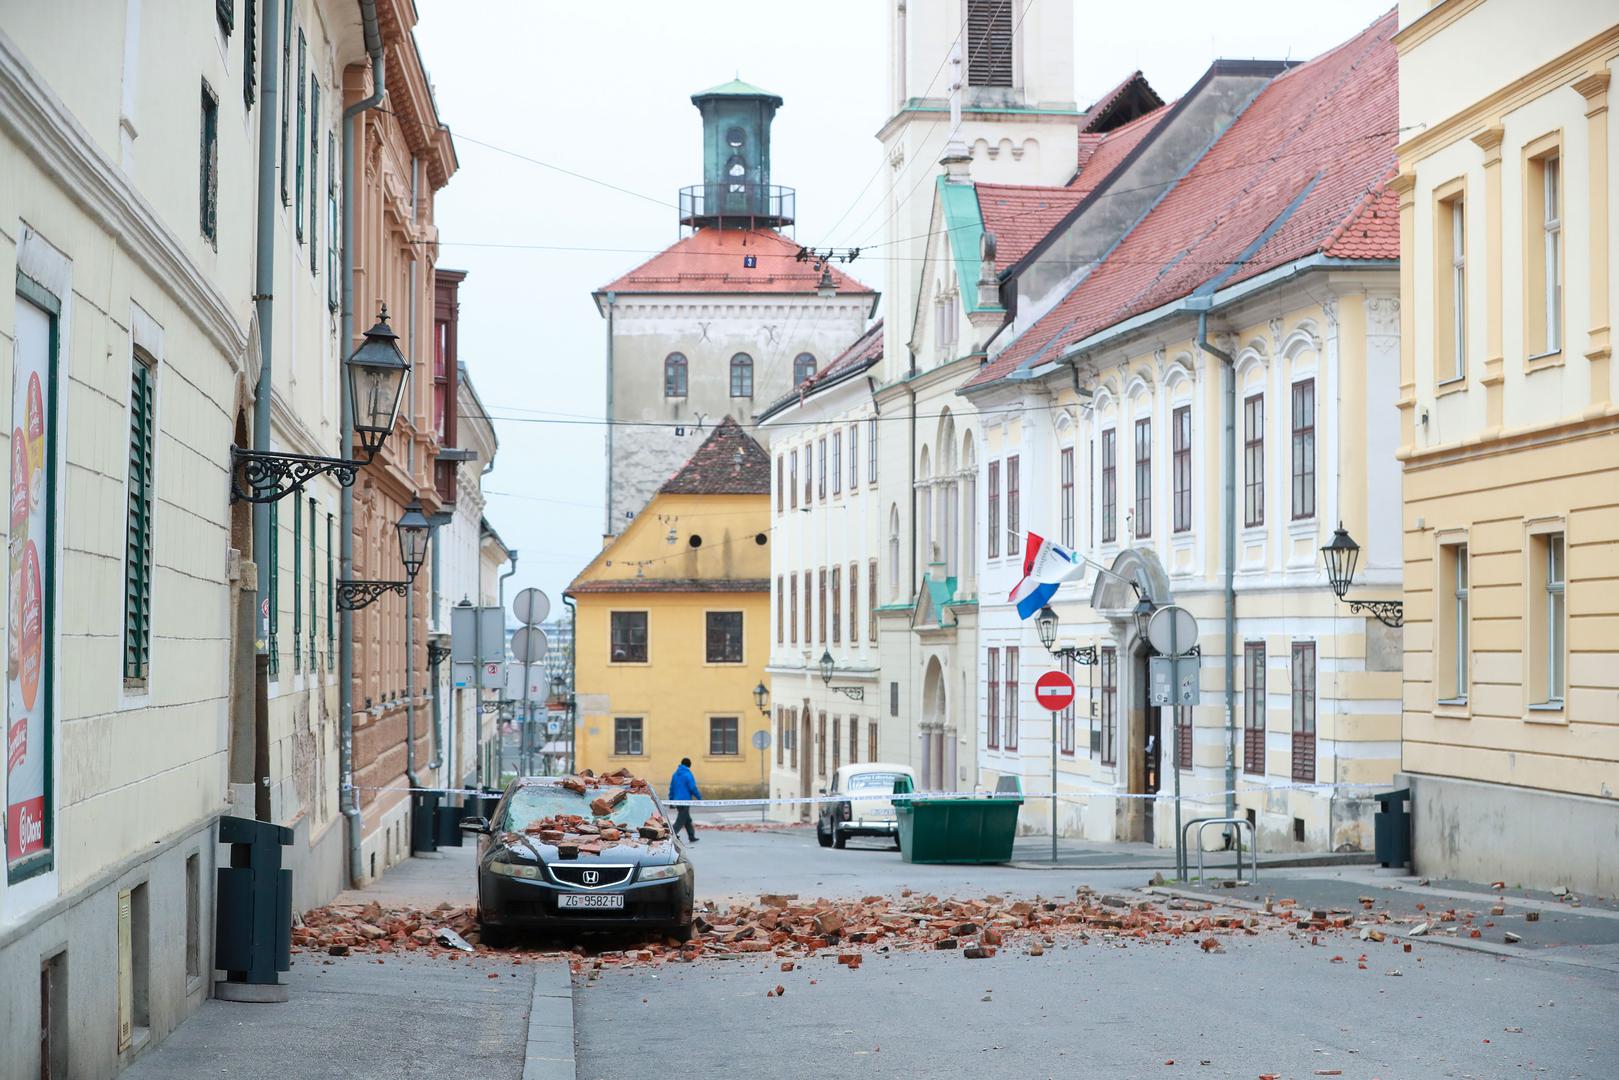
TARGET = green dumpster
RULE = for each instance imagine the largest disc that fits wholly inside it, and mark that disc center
(967, 828)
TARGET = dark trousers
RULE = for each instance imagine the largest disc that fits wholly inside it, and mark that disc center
(683, 821)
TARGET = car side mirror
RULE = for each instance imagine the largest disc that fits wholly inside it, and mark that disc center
(475, 825)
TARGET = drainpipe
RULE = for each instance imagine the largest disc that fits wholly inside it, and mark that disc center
(435, 666)
(410, 590)
(607, 528)
(345, 671)
(573, 662)
(1229, 467)
(263, 304)
(500, 598)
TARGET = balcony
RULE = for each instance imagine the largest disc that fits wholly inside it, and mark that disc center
(737, 205)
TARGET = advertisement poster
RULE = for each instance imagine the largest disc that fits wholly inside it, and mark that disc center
(27, 723)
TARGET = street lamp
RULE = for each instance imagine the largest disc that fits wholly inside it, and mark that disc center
(414, 529)
(761, 698)
(1142, 614)
(853, 693)
(376, 377)
(826, 288)
(1340, 556)
(1046, 623)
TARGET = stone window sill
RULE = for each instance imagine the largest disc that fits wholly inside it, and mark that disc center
(1450, 386)
(1544, 360)
(1546, 712)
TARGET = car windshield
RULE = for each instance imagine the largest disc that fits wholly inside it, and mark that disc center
(530, 804)
(873, 781)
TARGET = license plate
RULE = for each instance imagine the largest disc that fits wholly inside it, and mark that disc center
(592, 901)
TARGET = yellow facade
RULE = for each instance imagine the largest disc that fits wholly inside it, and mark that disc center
(1510, 443)
(683, 698)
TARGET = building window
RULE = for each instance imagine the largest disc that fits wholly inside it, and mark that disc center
(990, 28)
(792, 619)
(1451, 663)
(314, 175)
(820, 744)
(1067, 463)
(314, 592)
(837, 743)
(994, 510)
(781, 484)
(272, 567)
(871, 601)
(820, 468)
(820, 580)
(742, 375)
(1543, 279)
(1304, 712)
(792, 478)
(627, 736)
(1110, 704)
(1181, 430)
(297, 586)
(1144, 478)
(1253, 708)
(809, 605)
(893, 551)
(331, 599)
(141, 500)
(781, 610)
(332, 273)
(722, 732)
(854, 740)
(286, 99)
(1183, 738)
(809, 474)
(674, 375)
(1065, 719)
(1304, 449)
(628, 636)
(1549, 618)
(298, 176)
(854, 602)
(1011, 697)
(781, 737)
(724, 637)
(1014, 538)
(803, 367)
(837, 604)
(209, 197)
(871, 739)
(250, 51)
(854, 456)
(871, 450)
(992, 700)
(837, 462)
(1253, 456)
(1450, 314)
(1110, 486)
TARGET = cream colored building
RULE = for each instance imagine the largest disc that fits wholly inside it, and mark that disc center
(1255, 301)
(1509, 438)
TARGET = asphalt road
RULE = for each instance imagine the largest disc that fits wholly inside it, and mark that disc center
(1269, 1005)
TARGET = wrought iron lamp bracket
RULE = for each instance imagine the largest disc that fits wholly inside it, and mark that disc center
(436, 653)
(268, 477)
(354, 595)
(1083, 655)
(1388, 612)
(853, 693)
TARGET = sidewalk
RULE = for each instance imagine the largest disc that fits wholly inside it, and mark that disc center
(1034, 853)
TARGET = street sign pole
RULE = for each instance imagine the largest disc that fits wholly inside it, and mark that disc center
(1180, 846)
(1055, 691)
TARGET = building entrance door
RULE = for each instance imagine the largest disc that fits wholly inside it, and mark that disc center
(1145, 750)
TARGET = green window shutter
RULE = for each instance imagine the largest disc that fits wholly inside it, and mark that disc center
(331, 599)
(297, 586)
(331, 221)
(209, 171)
(286, 98)
(272, 567)
(138, 550)
(298, 178)
(314, 581)
(314, 188)
(250, 51)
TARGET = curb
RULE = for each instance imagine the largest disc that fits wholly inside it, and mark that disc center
(548, 1054)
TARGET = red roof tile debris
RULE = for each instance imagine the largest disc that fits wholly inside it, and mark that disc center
(711, 261)
(1321, 134)
(729, 462)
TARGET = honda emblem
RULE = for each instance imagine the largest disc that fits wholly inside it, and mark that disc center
(591, 877)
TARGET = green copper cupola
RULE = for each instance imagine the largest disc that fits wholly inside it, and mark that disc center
(736, 192)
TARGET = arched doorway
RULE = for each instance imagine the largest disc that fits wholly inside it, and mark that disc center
(934, 721)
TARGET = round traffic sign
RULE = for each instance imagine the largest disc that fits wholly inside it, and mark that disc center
(531, 607)
(1172, 630)
(761, 739)
(529, 645)
(1054, 690)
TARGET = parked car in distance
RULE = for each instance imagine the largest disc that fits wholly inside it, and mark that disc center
(534, 882)
(842, 818)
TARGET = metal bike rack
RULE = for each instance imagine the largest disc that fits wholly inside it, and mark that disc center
(1239, 823)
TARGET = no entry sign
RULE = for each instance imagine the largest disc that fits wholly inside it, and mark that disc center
(1054, 690)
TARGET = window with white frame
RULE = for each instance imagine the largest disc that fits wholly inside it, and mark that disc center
(1450, 661)
(1548, 619)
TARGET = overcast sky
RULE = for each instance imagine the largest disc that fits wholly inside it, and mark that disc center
(602, 90)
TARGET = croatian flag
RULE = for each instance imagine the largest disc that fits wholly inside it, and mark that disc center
(1045, 567)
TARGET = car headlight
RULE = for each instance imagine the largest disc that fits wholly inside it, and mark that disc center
(662, 873)
(512, 869)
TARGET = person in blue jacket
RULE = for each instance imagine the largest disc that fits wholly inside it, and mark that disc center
(683, 785)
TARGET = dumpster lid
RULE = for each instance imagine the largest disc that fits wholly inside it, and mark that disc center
(1386, 797)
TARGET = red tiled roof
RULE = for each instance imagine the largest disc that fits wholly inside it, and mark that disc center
(867, 347)
(1021, 216)
(1099, 155)
(1096, 117)
(710, 261)
(1322, 134)
(728, 463)
(682, 585)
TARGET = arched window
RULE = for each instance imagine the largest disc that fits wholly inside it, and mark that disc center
(742, 375)
(803, 367)
(674, 375)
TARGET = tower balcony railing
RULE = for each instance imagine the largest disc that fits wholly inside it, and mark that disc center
(738, 204)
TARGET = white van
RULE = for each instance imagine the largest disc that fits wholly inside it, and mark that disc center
(840, 819)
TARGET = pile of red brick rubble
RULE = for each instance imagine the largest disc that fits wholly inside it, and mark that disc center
(574, 835)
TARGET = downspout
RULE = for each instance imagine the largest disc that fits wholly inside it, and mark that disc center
(500, 602)
(1229, 468)
(573, 661)
(263, 305)
(345, 671)
(607, 527)
(410, 590)
(435, 666)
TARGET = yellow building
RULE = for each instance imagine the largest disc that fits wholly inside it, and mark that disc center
(672, 626)
(1510, 440)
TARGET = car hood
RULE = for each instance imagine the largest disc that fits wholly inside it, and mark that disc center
(519, 847)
